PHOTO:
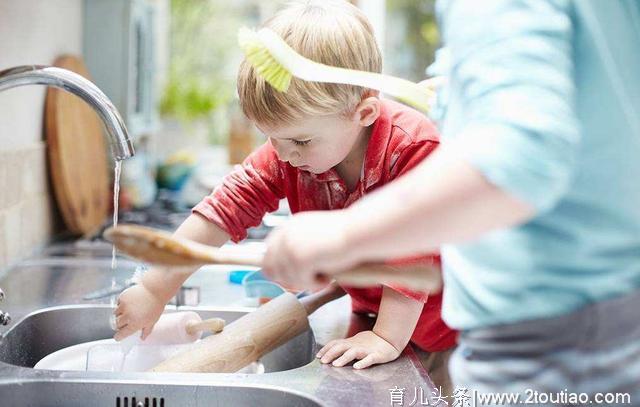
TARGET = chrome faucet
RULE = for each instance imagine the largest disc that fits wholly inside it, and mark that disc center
(121, 144)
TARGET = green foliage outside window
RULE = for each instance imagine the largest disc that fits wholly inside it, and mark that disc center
(203, 61)
(411, 37)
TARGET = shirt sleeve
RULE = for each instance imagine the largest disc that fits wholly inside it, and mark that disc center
(246, 194)
(511, 94)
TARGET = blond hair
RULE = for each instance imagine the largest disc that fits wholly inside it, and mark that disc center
(328, 31)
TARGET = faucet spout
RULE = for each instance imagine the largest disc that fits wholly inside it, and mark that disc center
(121, 144)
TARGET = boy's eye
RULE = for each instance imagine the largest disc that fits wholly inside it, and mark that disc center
(301, 142)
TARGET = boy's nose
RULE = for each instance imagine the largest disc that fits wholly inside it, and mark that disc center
(293, 158)
(294, 155)
(288, 154)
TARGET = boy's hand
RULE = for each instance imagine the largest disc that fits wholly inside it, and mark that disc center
(138, 309)
(140, 306)
(366, 346)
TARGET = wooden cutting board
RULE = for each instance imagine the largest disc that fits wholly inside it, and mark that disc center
(77, 156)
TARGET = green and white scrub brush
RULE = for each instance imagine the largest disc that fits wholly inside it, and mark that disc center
(277, 63)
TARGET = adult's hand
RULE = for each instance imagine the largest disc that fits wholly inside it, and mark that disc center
(308, 243)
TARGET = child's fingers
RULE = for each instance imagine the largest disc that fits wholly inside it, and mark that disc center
(348, 356)
(337, 350)
(126, 331)
(370, 359)
(121, 321)
(145, 332)
(326, 347)
(119, 310)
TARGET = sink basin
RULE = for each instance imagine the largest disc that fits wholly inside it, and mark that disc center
(46, 331)
(55, 285)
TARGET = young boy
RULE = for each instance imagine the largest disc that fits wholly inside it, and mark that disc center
(328, 146)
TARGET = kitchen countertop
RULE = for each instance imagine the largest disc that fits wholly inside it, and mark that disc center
(54, 280)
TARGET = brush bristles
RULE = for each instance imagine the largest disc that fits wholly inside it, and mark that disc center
(262, 61)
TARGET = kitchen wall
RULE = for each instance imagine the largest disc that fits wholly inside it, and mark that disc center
(31, 32)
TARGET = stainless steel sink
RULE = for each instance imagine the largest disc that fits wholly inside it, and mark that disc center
(54, 286)
(70, 394)
(46, 331)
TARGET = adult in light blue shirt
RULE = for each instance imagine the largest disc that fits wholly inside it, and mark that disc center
(535, 194)
(546, 97)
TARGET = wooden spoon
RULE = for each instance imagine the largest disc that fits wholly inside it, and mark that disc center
(161, 248)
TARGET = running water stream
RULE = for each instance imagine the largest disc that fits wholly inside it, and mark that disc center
(114, 261)
(128, 343)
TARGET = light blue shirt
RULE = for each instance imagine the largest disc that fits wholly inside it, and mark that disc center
(545, 95)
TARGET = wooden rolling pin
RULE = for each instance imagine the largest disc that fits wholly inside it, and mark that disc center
(181, 327)
(159, 247)
(252, 336)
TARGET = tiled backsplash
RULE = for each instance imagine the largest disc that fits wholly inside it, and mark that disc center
(27, 215)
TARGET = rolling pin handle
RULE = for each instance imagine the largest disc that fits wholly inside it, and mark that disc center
(213, 325)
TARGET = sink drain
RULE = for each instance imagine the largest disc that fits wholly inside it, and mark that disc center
(134, 402)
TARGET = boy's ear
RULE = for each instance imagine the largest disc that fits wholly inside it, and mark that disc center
(368, 111)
